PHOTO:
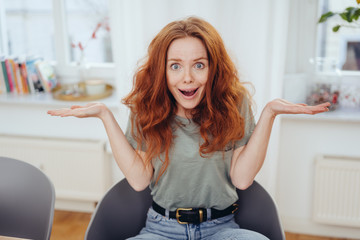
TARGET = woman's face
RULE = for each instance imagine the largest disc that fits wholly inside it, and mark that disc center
(187, 70)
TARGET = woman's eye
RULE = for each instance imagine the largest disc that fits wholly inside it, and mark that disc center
(199, 66)
(175, 66)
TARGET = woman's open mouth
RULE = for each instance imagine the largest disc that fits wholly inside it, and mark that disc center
(188, 93)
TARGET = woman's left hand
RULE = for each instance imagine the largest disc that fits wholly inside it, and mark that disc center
(281, 106)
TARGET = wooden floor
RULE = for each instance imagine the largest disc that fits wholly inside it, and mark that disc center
(69, 225)
(293, 236)
(72, 226)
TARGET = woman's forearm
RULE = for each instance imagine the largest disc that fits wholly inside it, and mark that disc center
(129, 161)
(249, 160)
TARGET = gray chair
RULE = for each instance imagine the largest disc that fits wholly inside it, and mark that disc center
(122, 213)
(27, 199)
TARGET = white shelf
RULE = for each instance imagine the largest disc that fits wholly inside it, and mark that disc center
(46, 99)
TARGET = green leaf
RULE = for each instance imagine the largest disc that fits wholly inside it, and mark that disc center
(325, 16)
(336, 28)
(351, 13)
(345, 16)
(356, 14)
(349, 9)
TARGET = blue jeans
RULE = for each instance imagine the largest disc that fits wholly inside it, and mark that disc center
(160, 228)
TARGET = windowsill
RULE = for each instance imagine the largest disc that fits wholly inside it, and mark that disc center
(340, 115)
(46, 99)
(350, 73)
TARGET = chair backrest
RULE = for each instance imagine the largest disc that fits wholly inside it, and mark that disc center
(258, 212)
(122, 213)
(27, 199)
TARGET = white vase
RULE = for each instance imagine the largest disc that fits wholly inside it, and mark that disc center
(83, 68)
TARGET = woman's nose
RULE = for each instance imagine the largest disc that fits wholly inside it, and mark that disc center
(188, 76)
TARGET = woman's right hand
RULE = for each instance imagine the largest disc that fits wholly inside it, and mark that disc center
(89, 110)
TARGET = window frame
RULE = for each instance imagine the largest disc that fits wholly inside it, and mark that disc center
(3, 36)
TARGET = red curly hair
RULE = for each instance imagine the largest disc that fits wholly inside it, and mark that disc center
(153, 107)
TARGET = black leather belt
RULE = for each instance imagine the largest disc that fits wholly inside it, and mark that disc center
(194, 215)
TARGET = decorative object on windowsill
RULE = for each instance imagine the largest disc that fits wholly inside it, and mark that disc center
(95, 87)
(82, 63)
(324, 83)
(90, 90)
(77, 90)
(350, 96)
(83, 67)
(350, 15)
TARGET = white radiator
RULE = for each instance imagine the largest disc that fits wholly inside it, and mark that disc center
(337, 191)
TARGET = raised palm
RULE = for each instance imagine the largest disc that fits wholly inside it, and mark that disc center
(89, 110)
(281, 106)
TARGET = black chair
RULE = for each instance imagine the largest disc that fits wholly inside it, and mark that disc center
(27, 199)
(122, 213)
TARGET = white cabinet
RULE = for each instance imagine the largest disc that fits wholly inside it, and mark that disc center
(302, 140)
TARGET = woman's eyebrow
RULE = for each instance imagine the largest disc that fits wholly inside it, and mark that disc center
(174, 60)
(201, 58)
(179, 60)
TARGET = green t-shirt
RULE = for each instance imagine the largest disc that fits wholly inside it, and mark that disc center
(191, 180)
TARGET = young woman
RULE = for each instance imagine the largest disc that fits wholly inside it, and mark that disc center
(191, 134)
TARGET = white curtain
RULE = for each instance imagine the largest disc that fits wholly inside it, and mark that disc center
(253, 31)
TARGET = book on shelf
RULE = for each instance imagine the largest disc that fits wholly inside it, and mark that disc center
(23, 75)
(47, 74)
(8, 73)
(20, 75)
(15, 76)
(33, 76)
(3, 87)
(4, 74)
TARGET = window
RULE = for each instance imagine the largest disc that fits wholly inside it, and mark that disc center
(60, 31)
(88, 30)
(29, 28)
(343, 45)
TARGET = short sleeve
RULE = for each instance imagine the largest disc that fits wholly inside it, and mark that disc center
(130, 137)
(248, 116)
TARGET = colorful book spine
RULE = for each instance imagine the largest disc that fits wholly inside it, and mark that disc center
(9, 75)
(3, 67)
(15, 76)
(23, 75)
(2, 81)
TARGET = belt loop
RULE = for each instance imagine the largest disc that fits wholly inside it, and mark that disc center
(208, 214)
(167, 214)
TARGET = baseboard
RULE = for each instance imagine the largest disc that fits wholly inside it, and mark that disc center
(309, 227)
(75, 205)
